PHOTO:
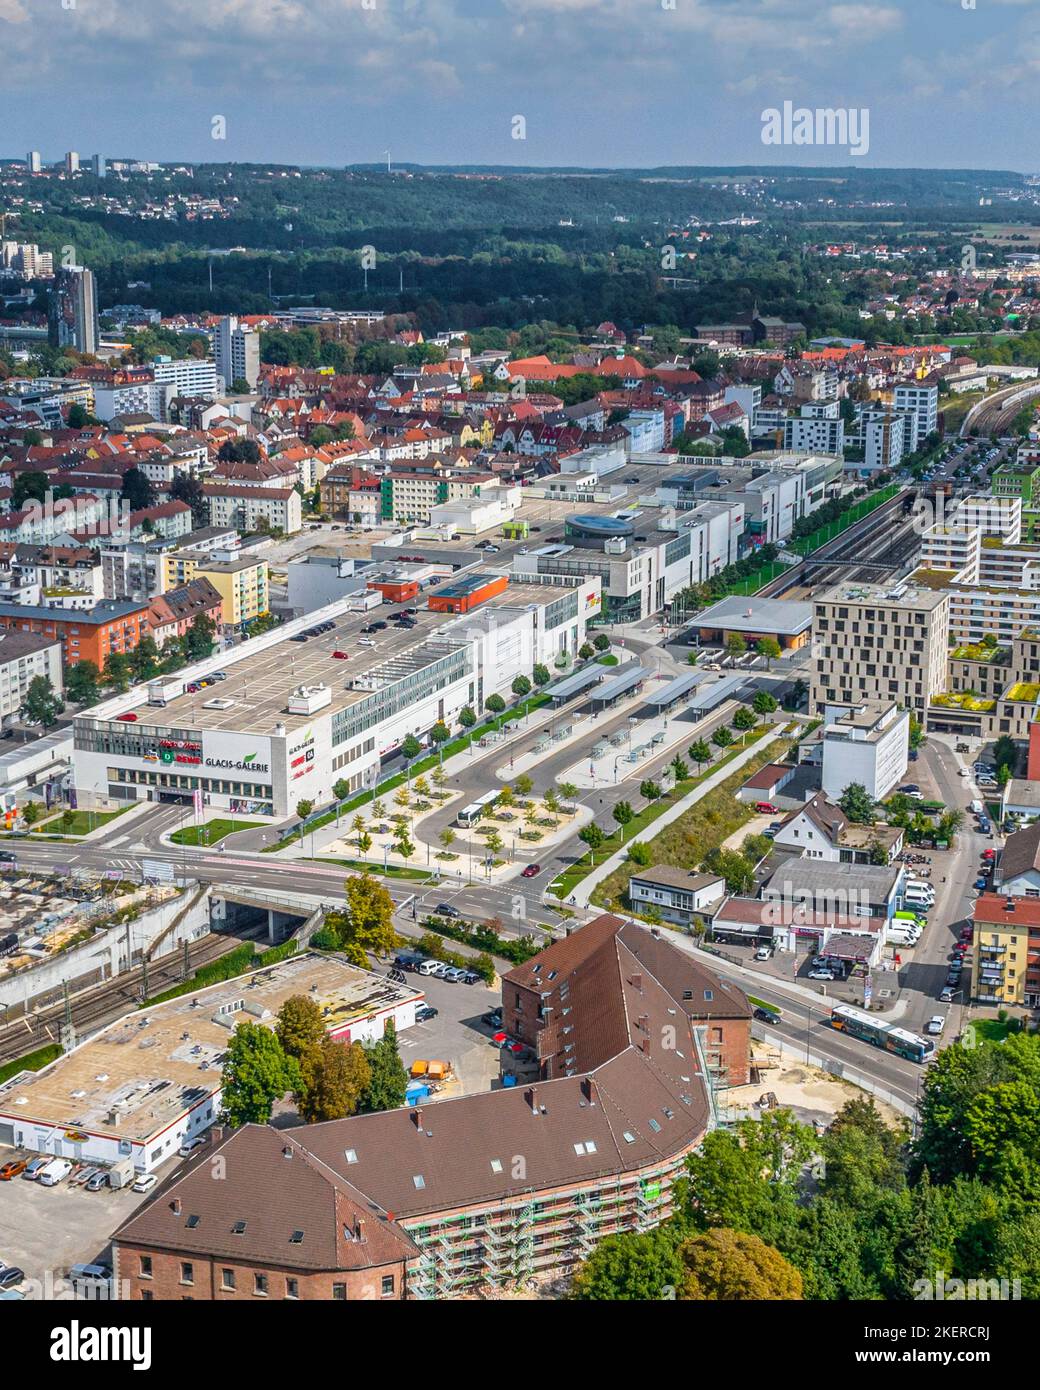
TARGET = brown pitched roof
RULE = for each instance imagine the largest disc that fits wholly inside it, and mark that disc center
(1021, 852)
(288, 1190)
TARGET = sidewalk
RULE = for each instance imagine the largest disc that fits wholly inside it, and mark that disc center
(581, 896)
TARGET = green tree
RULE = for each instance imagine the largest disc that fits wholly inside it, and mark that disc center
(81, 683)
(521, 686)
(592, 835)
(256, 1074)
(447, 837)
(700, 752)
(744, 720)
(569, 792)
(722, 738)
(440, 733)
(68, 819)
(730, 1265)
(388, 1080)
(763, 703)
(495, 704)
(679, 769)
(29, 487)
(624, 815)
(601, 642)
(541, 674)
(770, 648)
(334, 1077)
(411, 748)
(137, 491)
(640, 853)
(304, 808)
(42, 705)
(341, 789)
(199, 639)
(300, 1026)
(467, 717)
(31, 812)
(523, 785)
(586, 651)
(144, 660)
(631, 1267)
(857, 804)
(650, 790)
(365, 925)
(735, 644)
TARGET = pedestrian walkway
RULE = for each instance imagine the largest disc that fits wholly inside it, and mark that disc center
(583, 892)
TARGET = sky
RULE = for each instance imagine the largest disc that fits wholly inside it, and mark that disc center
(604, 83)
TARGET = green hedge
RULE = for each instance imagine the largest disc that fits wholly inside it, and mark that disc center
(484, 939)
(237, 962)
(32, 1061)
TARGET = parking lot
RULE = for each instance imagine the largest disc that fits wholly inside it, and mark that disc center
(44, 1230)
(456, 1035)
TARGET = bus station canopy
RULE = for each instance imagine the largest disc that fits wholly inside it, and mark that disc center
(574, 685)
(675, 690)
(625, 680)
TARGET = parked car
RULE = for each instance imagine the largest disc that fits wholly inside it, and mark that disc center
(82, 1177)
(935, 1025)
(821, 973)
(341, 656)
(428, 967)
(470, 977)
(425, 1014)
(144, 1182)
(98, 1181)
(453, 974)
(11, 1275)
(767, 1016)
(532, 871)
(14, 1169)
(129, 718)
(763, 953)
(766, 808)
(493, 1018)
(34, 1168)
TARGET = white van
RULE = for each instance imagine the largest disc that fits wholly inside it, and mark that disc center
(897, 937)
(55, 1172)
(976, 808)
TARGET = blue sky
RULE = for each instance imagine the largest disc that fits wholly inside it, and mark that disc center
(598, 82)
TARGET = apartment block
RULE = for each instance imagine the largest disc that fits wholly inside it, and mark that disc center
(880, 645)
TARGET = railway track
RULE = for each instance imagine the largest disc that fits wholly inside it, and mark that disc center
(868, 540)
(100, 1004)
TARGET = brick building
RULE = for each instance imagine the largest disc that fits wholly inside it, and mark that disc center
(632, 1037)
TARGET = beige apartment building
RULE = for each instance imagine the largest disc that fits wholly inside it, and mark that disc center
(880, 643)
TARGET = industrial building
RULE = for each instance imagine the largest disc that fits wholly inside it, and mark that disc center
(142, 1086)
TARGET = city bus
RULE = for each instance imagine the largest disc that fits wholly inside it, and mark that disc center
(469, 815)
(860, 1025)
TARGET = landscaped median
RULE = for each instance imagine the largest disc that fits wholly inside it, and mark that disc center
(687, 841)
(566, 883)
(211, 832)
(446, 750)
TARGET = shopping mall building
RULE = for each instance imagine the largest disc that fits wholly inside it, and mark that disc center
(295, 711)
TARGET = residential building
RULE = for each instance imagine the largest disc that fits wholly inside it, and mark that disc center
(243, 583)
(868, 744)
(1005, 970)
(427, 1202)
(880, 645)
(23, 657)
(236, 353)
(173, 614)
(675, 895)
(111, 626)
(922, 402)
(73, 310)
(254, 508)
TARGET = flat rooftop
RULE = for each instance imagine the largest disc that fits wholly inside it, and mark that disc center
(786, 616)
(912, 593)
(141, 1073)
(255, 695)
